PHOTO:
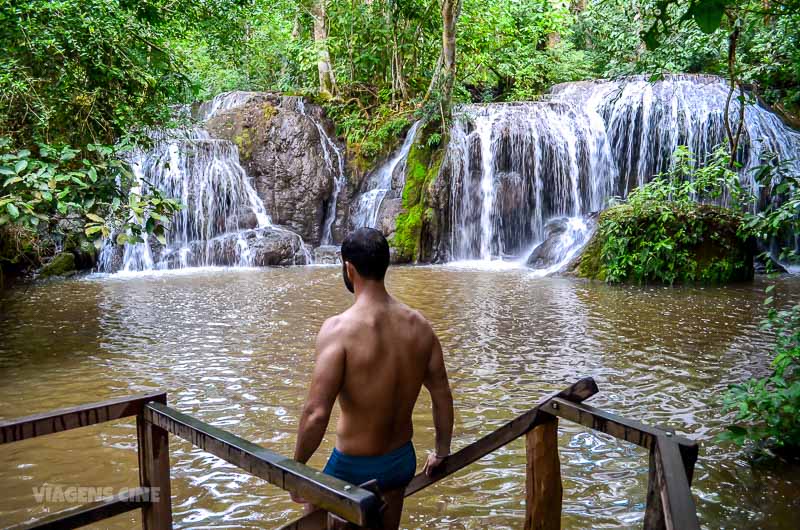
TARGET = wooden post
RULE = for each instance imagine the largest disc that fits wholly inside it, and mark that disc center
(689, 457)
(154, 473)
(654, 512)
(543, 490)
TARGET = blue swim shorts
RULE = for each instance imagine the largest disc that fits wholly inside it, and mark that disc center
(392, 470)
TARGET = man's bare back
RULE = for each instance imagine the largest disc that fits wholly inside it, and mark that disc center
(374, 358)
(388, 351)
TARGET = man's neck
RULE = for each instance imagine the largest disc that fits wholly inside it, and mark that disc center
(371, 292)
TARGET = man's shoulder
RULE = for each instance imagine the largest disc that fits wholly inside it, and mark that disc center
(340, 324)
(415, 318)
(333, 326)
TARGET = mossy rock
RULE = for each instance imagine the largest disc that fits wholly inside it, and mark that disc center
(422, 168)
(84, 250)
(62, 264)
(699, 244)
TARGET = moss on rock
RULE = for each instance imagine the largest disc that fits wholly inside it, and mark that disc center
(61, 265)
(422, 167)
(668, 244)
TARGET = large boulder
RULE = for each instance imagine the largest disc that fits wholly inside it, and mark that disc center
(564, 238)
(328, 255)
(282, 149)
(265, 246)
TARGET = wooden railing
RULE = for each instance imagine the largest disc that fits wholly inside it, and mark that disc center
(154, 422)
(672, 458)
(669, 499)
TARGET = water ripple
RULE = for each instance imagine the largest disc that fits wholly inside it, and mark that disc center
(235, 349)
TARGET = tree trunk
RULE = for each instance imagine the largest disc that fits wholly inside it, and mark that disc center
(734, 135)
(554, 37)
(327, 82)
(451, 9)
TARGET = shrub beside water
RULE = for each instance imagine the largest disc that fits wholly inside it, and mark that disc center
(670, 231)
(768, 408)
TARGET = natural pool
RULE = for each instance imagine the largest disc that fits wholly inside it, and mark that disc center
(235, 347)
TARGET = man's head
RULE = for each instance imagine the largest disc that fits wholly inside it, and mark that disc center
(365, 253)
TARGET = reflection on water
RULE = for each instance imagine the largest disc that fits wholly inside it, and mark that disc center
(234, 348)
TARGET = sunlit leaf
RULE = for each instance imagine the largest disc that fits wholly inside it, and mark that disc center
(12, 210)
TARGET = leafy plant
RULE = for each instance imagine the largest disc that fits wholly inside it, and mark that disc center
(672, 230)
(768, 408)
(58, 191)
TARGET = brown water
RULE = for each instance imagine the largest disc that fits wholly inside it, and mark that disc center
(234, 348)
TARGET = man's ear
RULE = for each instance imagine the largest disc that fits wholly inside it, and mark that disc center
(351, 270)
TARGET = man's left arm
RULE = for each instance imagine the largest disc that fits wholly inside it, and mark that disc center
(326, 381)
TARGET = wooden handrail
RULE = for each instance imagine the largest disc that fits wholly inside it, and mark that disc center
(622, 428)
(336, 496)
(674, 489)
(153, 459)
(579, 391)
(669, 499)
(670, 503)
(60, 420)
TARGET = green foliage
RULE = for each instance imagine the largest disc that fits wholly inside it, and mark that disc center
(768, 408)
(267, 47)
(665, 233)
(368, 136)
(768, 48)
(610, 33)
(422, 168)
(778, 220)
(81, 72)
(59, 190)
(516, 50)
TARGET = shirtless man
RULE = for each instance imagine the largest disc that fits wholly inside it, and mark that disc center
(375, 357)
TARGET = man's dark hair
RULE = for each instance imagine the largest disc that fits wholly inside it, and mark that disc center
(368, 251)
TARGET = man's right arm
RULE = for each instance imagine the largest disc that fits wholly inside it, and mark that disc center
(439, 387)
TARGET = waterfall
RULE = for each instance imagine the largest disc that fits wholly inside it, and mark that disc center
(645, 122)
(516, 166)
(379, 184)
(222, 102)
(336, 168)
(223, 220)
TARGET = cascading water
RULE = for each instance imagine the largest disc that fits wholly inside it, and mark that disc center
(379, 184)
(646, 122)
(223, 220)
(337, 168)
(516, 166)
(222, 102)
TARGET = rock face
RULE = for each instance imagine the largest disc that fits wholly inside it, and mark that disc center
(281, 148)
(564, 237)
(387, 215)
(328, 255)
(267, 246)
(264, 247)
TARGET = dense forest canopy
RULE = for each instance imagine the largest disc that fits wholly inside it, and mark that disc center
(91, 71)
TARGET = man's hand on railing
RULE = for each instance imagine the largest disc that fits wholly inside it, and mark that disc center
(432, 463)
(298, 499)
